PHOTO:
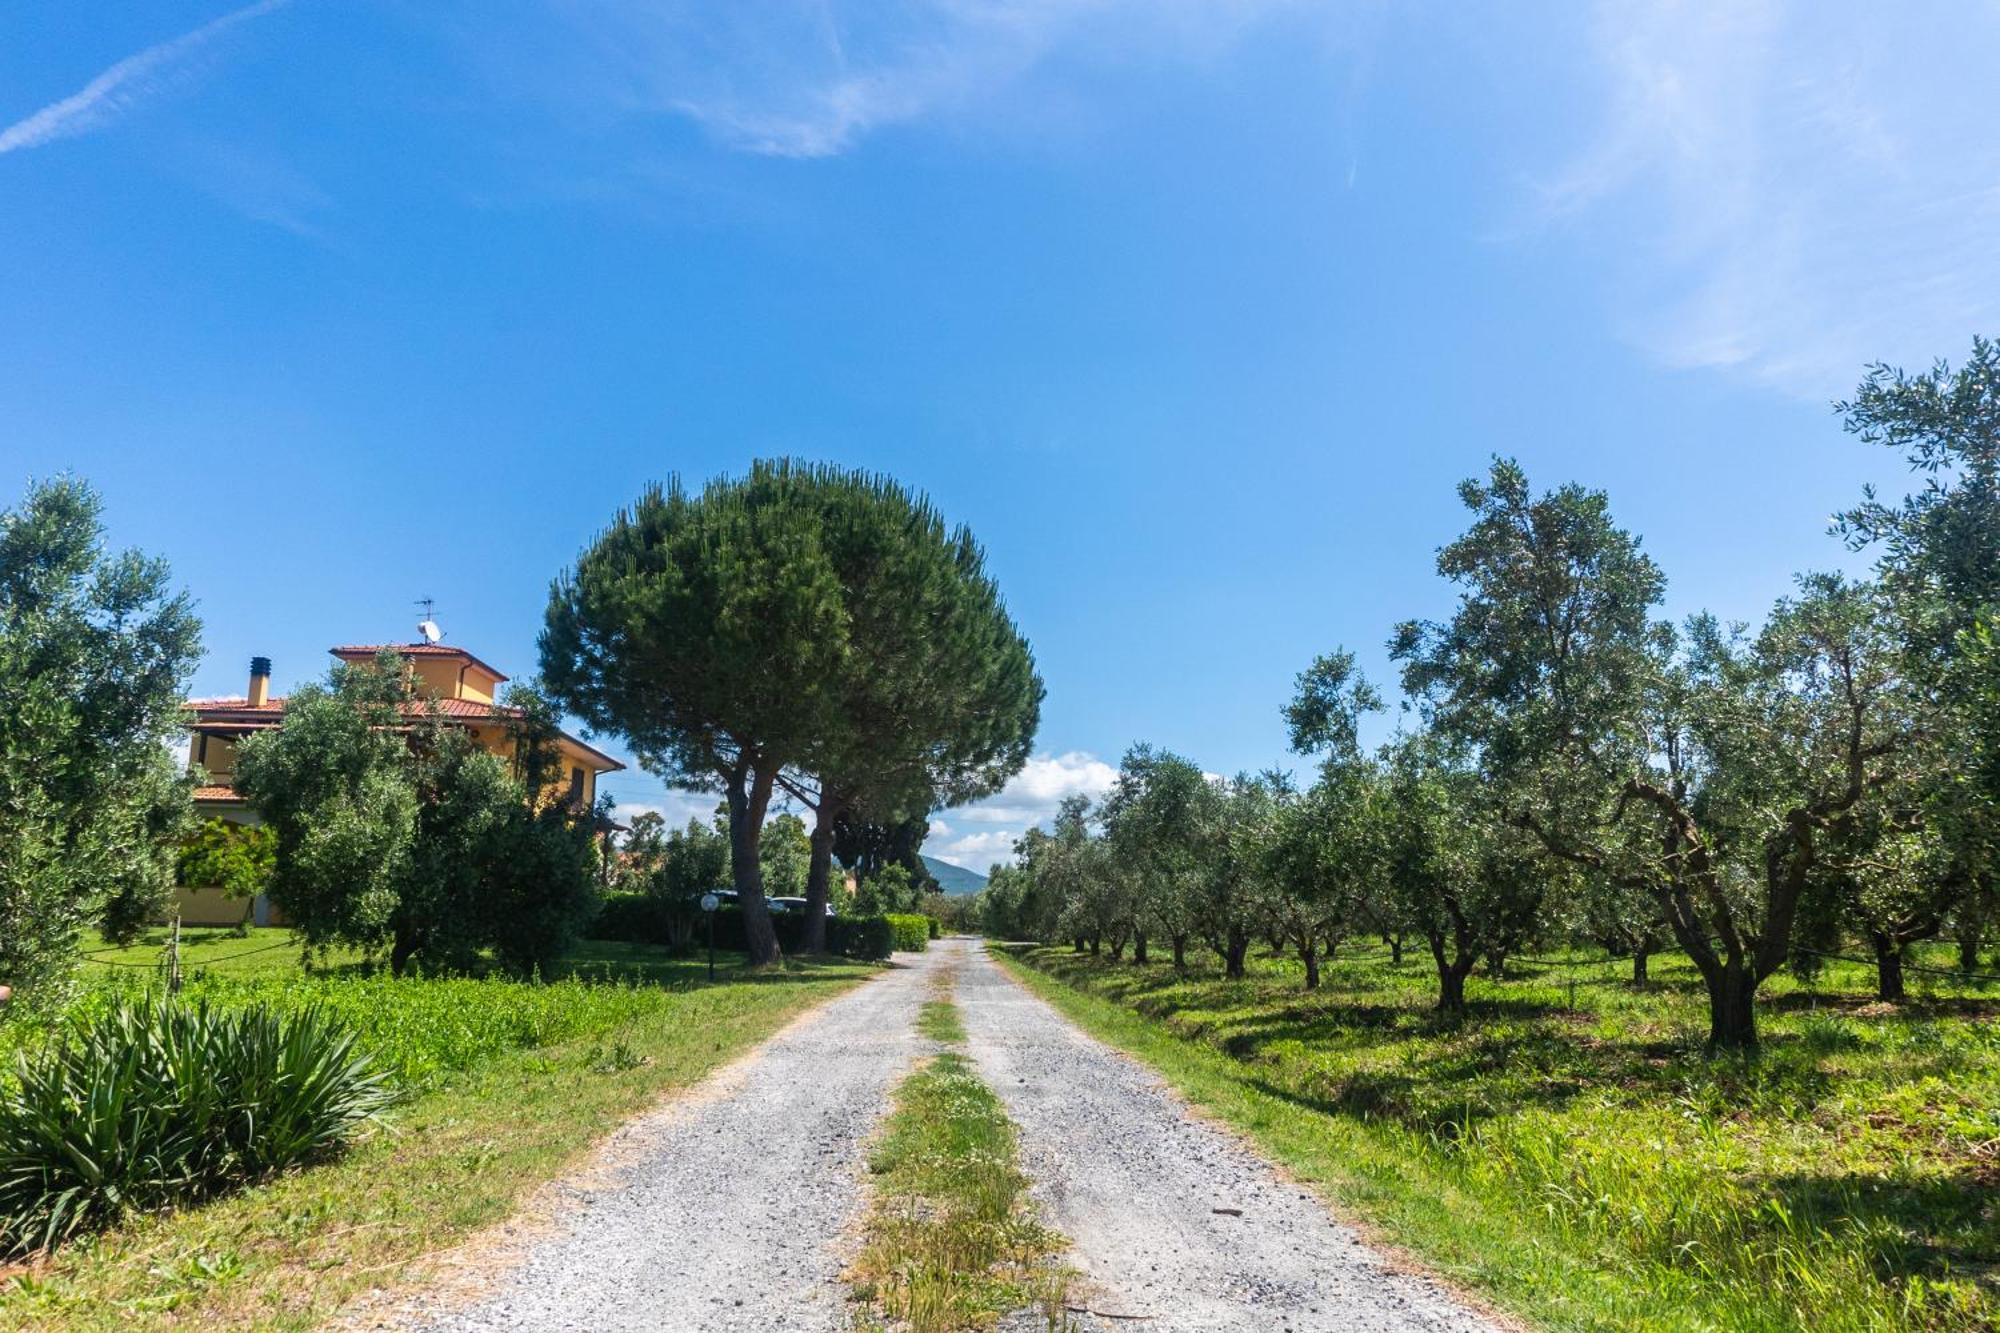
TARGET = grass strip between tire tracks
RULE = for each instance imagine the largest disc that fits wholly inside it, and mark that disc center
(952, 1241)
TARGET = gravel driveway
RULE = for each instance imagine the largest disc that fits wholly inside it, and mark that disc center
(1134, 1182)
(728, 1209)
(736, 1205)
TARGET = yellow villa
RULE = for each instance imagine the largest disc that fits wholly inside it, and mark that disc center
(465, 691)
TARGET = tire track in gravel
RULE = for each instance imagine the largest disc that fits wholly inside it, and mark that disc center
(1133, 1179)
(730, 1208)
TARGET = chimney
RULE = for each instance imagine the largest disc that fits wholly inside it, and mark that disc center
(260, 681)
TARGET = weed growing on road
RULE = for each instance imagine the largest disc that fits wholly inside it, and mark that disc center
(952, 1242)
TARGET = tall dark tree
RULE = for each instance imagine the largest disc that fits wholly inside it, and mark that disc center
(866, 846)
(95, 654)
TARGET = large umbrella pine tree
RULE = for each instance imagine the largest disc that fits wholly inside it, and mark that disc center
(936, 699)
(708, 629)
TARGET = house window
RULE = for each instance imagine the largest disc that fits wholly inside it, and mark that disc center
(576, 786)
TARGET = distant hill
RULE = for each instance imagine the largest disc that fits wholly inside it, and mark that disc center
(954, 879)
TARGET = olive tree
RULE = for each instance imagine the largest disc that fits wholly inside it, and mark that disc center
(1734, 753)
(1938, 560)
(1159, 822)
(394, 828)
(95, 654)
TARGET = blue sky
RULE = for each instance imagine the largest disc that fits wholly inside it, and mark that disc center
(1194, 311)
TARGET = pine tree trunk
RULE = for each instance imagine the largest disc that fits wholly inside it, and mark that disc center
(819, 877)
(747, 805)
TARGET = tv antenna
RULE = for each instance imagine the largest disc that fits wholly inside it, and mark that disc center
(427, 625)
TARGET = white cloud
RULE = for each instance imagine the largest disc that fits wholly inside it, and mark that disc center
(1789, 189)
(811, 78)
(1029, 799)
(123, 85)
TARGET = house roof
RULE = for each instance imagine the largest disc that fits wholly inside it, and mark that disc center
(216, 793)
(239, 716)
(352, 651)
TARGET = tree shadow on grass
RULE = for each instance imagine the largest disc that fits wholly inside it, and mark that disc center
(1927, 1225)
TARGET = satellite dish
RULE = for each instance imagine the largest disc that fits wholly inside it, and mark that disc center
(430, 631)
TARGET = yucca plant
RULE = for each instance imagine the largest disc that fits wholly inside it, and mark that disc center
(156, 1102)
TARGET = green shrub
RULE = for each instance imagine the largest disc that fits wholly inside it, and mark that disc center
(911, 934)
(869, 938)
(157, 1102)
(630, 918)
(937, 927)
(866, 937)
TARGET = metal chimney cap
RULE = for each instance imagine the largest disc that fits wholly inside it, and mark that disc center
(260, 666)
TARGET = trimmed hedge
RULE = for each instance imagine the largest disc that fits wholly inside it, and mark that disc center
(639, 918)
(912, 933)
(630, 918)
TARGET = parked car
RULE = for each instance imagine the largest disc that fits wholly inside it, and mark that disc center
(783, 905)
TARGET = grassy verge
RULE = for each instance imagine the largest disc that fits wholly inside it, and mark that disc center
(952, 1241)
(1572, 1154)
(571, 1064)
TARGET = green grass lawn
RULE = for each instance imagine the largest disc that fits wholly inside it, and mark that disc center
(507, 1082)
(1570, 1150)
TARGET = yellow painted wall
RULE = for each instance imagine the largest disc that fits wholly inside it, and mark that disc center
(215, 755)
(208, 907)
(440, 678)
(497, 740)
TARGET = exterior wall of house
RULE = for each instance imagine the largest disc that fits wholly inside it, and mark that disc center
(453, 678)
(214, 755)
(499, 741)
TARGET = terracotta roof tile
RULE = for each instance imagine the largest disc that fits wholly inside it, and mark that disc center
(366, 650)
(216, 793)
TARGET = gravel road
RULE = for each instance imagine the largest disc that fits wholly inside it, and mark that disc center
(736, 1205)
(729, 1209)
(1134, 1181)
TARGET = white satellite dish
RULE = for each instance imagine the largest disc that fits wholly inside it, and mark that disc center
(430, 631)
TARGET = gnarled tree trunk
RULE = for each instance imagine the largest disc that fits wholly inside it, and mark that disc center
(1888, 967)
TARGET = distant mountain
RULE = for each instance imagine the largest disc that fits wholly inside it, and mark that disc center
(954, 879)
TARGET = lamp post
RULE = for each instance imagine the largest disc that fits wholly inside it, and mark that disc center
(709, 902)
